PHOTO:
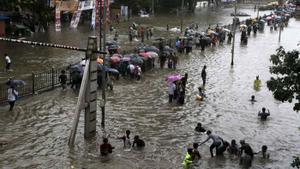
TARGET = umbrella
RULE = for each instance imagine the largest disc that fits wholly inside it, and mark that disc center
(159, 38)
(113, 47)
(112, 70)
(115, 59)
(77, 68)
(181, 37)
(126, 58)
(151, 49)
(111, 43)
(136, 59)
(243, 26)
(15, 83)
(175, 30)
(210, 32)
(153, 54)
(226, 30)
(173, 78)
(217, 34)
(144, 54)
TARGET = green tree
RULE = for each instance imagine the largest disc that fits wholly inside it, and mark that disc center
(296, 162)
(286, 85)
(41, 13)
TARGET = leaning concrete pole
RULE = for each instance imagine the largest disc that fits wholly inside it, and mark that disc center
(91, 92)
(87, 98)
(80, 104)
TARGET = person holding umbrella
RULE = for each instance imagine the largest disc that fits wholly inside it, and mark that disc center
(12, 96)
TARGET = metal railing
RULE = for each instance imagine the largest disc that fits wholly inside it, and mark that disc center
(35, 83)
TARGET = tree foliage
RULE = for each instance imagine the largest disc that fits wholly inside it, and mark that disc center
(296, 162)
(41, 13)
(286, 85)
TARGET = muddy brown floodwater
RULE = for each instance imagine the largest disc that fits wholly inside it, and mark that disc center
(37, 131)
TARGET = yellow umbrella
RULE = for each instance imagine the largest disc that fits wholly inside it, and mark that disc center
(243, 26)
(210, 32)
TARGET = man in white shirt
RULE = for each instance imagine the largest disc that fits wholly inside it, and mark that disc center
(7, 62)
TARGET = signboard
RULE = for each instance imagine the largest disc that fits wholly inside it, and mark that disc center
(57, 20)
(88, 5)
(67, 5)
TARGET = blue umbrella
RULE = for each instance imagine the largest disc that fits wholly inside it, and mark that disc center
(151, 49)
(136, 59)
(77, 68)
(112, 70)
(15, 83)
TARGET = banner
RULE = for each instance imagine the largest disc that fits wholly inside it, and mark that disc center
(93, 22)
(124, 11)
(76, 15)
(57, 19)
(97, 5)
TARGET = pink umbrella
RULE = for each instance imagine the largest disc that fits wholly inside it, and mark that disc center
(144, 54)
(269, 18)
(152, 54)
(115, 59)
(173, 78)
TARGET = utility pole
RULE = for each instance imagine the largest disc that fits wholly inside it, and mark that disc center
(153, 7)
(100, 24)
(103, 68)
(234, 29)
(181, 20)
(280, 29)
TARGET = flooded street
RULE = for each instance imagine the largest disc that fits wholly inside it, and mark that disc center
(37, 131)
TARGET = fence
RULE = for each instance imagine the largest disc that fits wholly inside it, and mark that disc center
(49, 80)
(36, 82)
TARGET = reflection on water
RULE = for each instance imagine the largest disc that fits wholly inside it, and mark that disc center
(37, 132)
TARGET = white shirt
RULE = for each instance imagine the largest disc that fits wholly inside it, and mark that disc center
(171, 88)
(7, 59)
(131, 67)
(11, 94)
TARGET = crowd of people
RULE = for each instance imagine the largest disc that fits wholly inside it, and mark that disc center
(244, 152)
